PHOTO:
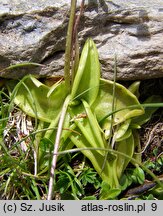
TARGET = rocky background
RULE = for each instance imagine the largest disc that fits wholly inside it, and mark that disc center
(36, 31)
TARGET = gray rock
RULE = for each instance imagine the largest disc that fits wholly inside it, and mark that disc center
(36, 30)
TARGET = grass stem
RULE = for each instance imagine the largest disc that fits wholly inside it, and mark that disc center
(56, 147)
(67, 75)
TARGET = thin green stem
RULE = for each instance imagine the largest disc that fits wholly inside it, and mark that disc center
(75, 43)
(36, 147)
(22, 65)
(67, 75)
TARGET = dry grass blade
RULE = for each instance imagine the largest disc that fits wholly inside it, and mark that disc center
(56, 146)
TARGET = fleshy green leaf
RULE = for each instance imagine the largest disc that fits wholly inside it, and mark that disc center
(90, 132)
(127, 147)
(121, 130)
(134, 88)
(109, 172)
(94, 125)
(86, 82)
(123, 99)
(126, 135)
(38, 100)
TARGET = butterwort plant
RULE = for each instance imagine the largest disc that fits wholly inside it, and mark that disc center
(88, 106)
(87, 112)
